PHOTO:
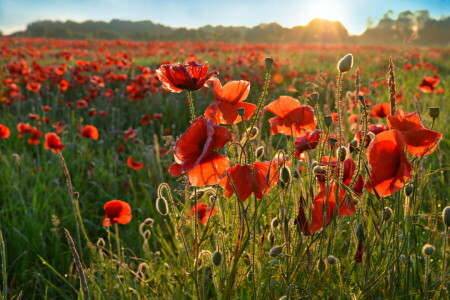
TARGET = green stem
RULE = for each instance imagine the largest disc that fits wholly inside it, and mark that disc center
(191, 105)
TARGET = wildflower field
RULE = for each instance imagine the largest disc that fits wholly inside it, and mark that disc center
(188, 170)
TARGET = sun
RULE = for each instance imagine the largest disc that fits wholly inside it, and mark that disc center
(328, 9)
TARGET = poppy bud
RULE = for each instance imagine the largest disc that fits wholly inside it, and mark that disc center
(387, 213)
(354, 144)
(149, 221)
(259, 152)
(409, 189)
(161, 206)
(269, 62)
(428, 250)
(362, 99)
(296, 173)
(271, 238)
(285, 174)
(341, 153)
(250, 275)
(446, 216)
(345, 64)
(212, 200)
(241, 111)
(217, 258)
(319, 170)
(197, 195)
(434, 112)
(360, 232)
(332, 141)
(411, 262)
(332, 260)
(328, 120)
(314, 164)
(252, 133)
(321, 265)
(402, 258)
(275, 251)
(274, 223)
(315, 97)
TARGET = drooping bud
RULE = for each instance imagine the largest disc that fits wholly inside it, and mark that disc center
(259, 152)
(252, 133)
(274, 223)
(446, 216)
(217, 258)
(315, 97)
(428, 250)
(434, 111)
(360, 232)
(345, 64)
(314, 164)
(275, 251)
(285, 175)
(387, 213)
(362, 100)
(319, 170)
(341, 153)
(332, 141)
(149, 221)
(321, 265)
(332, 260)
(161, 206)
(409, 189)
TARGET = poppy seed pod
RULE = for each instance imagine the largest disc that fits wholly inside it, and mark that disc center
(446, 216)
(328, 120)
(434, 112)
(275, 251)
(285, 174)
(217, 258)
(259, 152)
(409, 189)
(315, 97)
(345, 64)
(269, 62)
(428, 250)
(161, 206)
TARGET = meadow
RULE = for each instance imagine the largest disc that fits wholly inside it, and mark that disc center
(279, 172)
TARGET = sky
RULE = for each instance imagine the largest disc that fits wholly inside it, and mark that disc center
(353, 14)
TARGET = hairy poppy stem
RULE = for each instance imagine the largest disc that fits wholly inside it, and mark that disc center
(340, 174)
(74, 196)
(191, 105)
(78, 265)
(3, 272)
(392, 85)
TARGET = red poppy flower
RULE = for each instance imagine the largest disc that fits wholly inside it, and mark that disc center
(23, 128)
(53, 142)
(145, 119)
(117, 211)
(375, 129)
(33, 87)
(428, 84)
(5, 132)
(59, 126)
(248, 179)
(390, 167)
(203, 212)
(419, 140)
(90, 131)
(177, 77)
(82, 103)
(229, 99)
(380, 110)
(194, 153)
(306, 142)
(63, 85)
(33, 116)
(129, 133)
(35, 136)
(136, 165)
(292, 118)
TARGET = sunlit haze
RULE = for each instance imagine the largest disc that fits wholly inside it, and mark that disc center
(353, 14)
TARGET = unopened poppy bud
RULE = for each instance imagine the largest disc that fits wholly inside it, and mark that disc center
(362, 100)
(161, 206)
(328, 120)
(149, 221)
(197, 195)
(241, 111)
(354, 144)
(252, 133)
(217, 258)
(275, 251)
(250, 275)
(259, 152)
(360, 232)
(371, 135)
(269, 62)
(296, 173)
(332, 141)
(332, 260)
(387, 213)
(319, 170)
(321, 265)
(314, 164)
(446, 216)
(341, 153)
(434, 112)
(212, 200)
(402, 258)
(285, 174)
(410, 262)
(409, 189)
(345, 64)
(271, 237)
(315, 97)
(274, 223)
(428, 250)
(282, 184)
